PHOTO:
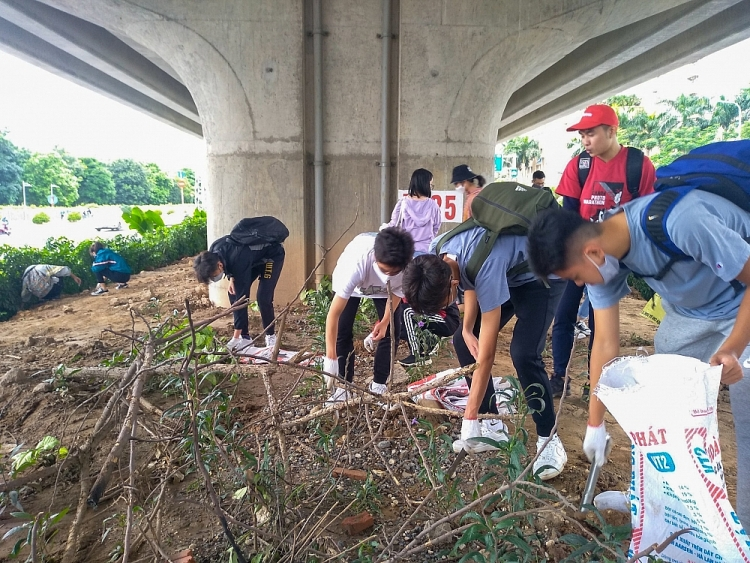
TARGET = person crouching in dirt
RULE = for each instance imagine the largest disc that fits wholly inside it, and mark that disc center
(368, 263)
(43, 281)
(108, 265)
(252, 250)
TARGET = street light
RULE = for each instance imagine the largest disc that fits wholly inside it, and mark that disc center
(24, 185)
(52, 194)
(739, 115)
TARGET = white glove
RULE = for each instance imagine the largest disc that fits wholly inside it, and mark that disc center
(330, 366)
(370, 343)
(595, 444)
(470, 429)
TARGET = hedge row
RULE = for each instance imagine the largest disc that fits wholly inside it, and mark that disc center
(152, 250)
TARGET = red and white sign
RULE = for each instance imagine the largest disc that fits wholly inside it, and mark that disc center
(451, 204)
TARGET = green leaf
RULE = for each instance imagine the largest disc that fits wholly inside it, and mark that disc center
(47, 444)
(14, 531)
(239, 493)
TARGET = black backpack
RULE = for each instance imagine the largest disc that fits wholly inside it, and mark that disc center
(255, 231)
(501, 208)
(633, 169)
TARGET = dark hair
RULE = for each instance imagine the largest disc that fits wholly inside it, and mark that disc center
(553, 234)
(394, 247)
(205, 265)
(538, 175)
(479, 180)
(427, 283)
(96, 247)
(420, 183)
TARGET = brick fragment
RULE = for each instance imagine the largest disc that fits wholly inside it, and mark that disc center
(184, 556)
(354, 525)
(355, 474)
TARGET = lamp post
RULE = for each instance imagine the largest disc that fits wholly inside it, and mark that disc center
(739, 116)
(52, 194)
(24, 185)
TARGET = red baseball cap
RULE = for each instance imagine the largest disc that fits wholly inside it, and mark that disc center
(593, 116)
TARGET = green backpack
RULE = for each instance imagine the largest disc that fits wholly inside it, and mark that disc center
(501, 208)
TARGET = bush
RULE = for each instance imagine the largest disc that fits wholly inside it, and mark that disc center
(40, 218)
(159, 248)
(74, 216)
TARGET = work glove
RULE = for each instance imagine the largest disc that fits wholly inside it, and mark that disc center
(471, 429)
(596, 444)
(330, 366)
(370, 343)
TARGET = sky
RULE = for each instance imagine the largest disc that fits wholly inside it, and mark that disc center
(712, 76)
(41, 110)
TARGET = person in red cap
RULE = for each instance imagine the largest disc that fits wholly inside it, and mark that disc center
(604, 176)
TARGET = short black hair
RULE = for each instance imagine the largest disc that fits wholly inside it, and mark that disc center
(205, 265)
(96, 247)
(427, 284)
(538, 175)
(552, 235)
(420, 183)
(394, 247)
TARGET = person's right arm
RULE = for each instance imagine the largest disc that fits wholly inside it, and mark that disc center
(606, 347)
(487, 346)
(332, 325)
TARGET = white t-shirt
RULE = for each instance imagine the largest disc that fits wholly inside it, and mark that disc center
(357, 274)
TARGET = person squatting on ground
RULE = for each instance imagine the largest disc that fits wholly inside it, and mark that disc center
(108, 265)
(43, 281)
(466, 181)
(253, 250)
(603, 177)
(423, 332)
(431, 282)
(368, 263)
(417, 213)
(705, 299)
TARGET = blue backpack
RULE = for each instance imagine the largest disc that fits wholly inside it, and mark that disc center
(721, 168)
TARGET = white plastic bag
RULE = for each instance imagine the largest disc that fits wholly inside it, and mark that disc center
(667, 405)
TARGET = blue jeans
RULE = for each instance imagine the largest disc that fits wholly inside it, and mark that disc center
(563, 330)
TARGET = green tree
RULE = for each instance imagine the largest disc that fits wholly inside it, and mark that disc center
(97, 185)
(525, 150)
(131, 183)
(160, 186)
(682, 140)
(11, 170)
(43, 170)
(693, 110)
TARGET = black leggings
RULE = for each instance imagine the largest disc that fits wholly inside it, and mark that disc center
(563, 329)
(117, 277)
(345, 341)
(267, 269)
(534, 306)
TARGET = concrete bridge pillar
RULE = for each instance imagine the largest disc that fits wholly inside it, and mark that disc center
(248, 65)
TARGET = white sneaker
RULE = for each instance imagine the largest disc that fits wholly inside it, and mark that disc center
(270, 340)
(340, 395)
(553, 456)
(378, 388)
(495, 430)
(238, 344)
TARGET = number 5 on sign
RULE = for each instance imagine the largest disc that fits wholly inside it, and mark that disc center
(451, 204)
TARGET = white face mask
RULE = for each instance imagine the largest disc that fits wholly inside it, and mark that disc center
(609, 269)
(460, 188)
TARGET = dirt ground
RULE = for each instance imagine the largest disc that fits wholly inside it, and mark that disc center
(83, 331)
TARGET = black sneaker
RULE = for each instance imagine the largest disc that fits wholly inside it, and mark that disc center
(557, 384)
(410, 361)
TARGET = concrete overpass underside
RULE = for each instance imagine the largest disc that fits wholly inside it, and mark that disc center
(317, 111)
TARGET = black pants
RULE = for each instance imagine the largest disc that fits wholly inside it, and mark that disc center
(345, 341)
(264, 265)
(117, 277)
(56, 290)
(437, 326)
(534, 305)
(563, 330)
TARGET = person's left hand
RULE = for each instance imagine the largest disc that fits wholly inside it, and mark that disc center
(731, 370)
(378, 332)
(76, 279)
(230, 289)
